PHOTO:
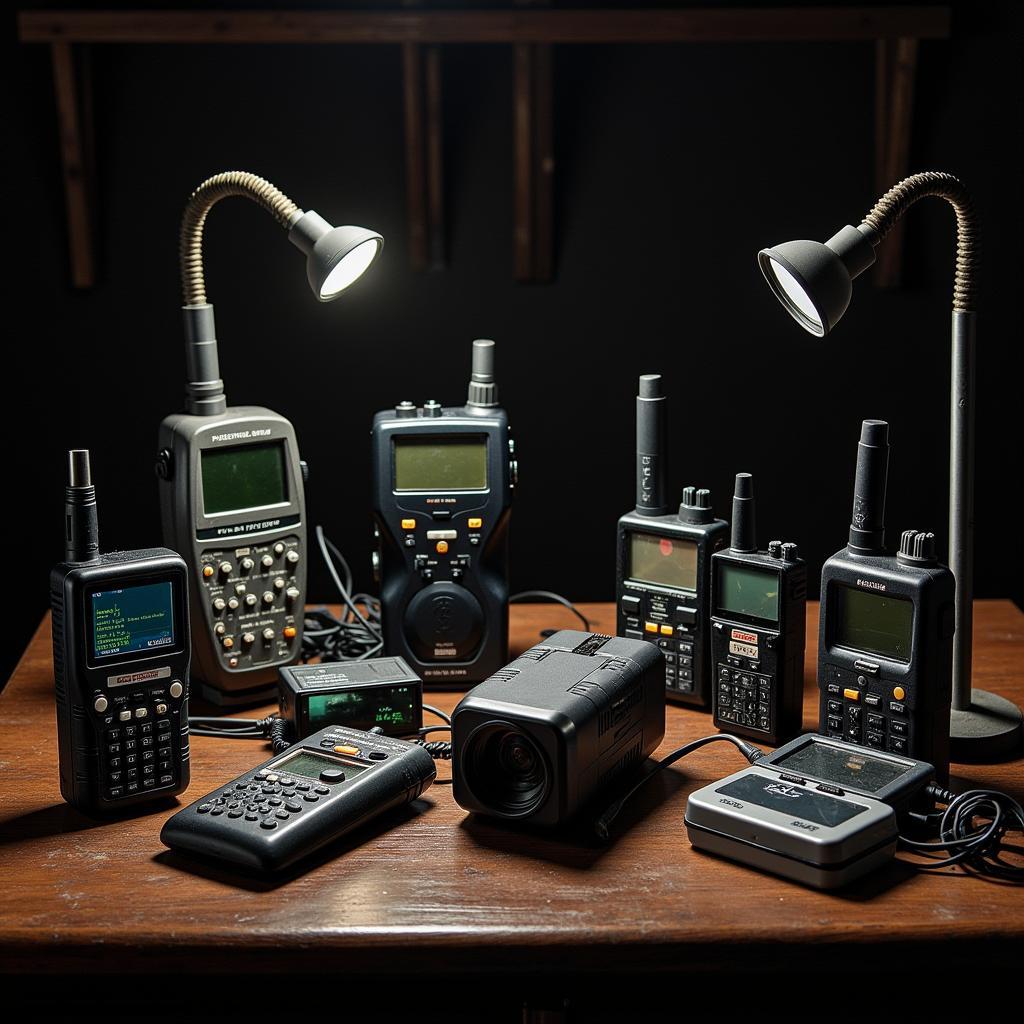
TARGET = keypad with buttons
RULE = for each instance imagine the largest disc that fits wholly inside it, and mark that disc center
(137, 750)
(859, 708)
(744, 698)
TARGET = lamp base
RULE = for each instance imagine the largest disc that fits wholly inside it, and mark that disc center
(991, 728)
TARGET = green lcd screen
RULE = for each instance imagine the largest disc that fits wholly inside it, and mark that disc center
(310, 764)
(664, 560)
(243, 477)
(875, 623)
(440, 464)
(392, 707)
(136, 619)
(745, 591)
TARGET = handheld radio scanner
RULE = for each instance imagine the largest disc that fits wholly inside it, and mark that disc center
(442, 484)
(885, 644)
(758, 630)
(120, 662)
(663, 560)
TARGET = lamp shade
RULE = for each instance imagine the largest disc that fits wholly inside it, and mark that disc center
(814, 280)
(335, 257)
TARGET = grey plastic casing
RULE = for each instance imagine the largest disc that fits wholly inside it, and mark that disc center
(243, 673)
(812, 853)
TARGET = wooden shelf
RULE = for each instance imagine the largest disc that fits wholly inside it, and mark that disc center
(896, 31)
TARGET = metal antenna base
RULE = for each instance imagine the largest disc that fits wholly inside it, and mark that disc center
(988, 730)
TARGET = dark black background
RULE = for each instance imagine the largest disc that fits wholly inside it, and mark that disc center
(674, 165)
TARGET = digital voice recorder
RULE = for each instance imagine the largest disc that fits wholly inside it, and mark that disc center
(663, 560)
(443, 481)
(885, 644)
(758, 630)
(120, 662)
(232, 503)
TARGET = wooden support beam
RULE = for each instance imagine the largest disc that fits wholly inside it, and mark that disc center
(75, 149)
(893, 126)
(415, 175)
(703, 25)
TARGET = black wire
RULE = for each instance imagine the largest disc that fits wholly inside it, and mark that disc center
(549, 595)
(977, 846)
(603, 824)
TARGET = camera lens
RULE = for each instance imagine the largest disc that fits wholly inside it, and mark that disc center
(506, 770)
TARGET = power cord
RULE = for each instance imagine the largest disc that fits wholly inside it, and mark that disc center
(550, 595)
(971, 832)
(602, 827)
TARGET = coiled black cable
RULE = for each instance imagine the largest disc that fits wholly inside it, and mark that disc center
(972, 832)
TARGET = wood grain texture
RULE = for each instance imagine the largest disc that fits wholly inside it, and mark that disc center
(707, 24)
(447, 893)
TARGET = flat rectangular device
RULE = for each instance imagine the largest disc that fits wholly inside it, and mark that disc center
(819, 811)
(382, 692)
(317, 790)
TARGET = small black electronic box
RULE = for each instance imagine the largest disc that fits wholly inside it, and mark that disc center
(885, 645)
(231, 501)
(758, 630)
(443, 481)
(819, 811)
(552, 729)
(663, 561)
(375, 693)
(286, 808)
(120, 662)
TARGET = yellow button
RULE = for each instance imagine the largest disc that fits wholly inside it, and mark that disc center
(289, 631)
(228, 642)
(651, 627)
(208, 571)
(666, 630)
(475, 523)
(442, 547)
(347, 749)
(851, 694)
(898, 692)
(408, 524)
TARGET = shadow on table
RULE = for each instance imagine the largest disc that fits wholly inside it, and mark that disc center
(63, 819)
(576, 844)
(256, 881)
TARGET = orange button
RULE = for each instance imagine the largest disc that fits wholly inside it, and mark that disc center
(408, 524)
(898, 692)
(289, 631)
(666, 630)
(651, 627)
(851, 694)
(442, 547)
(228, 642)
(208, 571)
(475, 523)
(347, 749)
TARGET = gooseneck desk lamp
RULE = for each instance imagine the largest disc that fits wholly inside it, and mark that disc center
(335, 257)
(814, 282)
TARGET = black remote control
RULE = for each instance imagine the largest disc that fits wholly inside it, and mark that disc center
(318, 789)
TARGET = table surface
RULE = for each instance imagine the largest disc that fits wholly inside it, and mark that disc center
(449, 892)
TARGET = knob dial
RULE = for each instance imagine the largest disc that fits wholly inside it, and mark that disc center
(292, 593)
(267, 562)
(292, 557)
(225, 568)
(268, 634)
(239, 588)
(268, 597)
(220, 629)
(279, 549)
(250, 600)
(100, 704)
(248, 638)
(176, 689)
(219, 604)
(233, 603)
(279, 584)
(247, 565)
(444, 623)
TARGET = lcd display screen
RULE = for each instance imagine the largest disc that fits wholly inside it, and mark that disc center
(875, 623)
(664, 560)
(440, 464)
(842, 767)
(310, 765)
(132, 619)
(745, 591)
(243, 477)
(393, 707)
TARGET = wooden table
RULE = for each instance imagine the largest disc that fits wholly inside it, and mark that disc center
(440, 892)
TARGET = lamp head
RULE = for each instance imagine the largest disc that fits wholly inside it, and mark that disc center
(814, 280)
(335, 257)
